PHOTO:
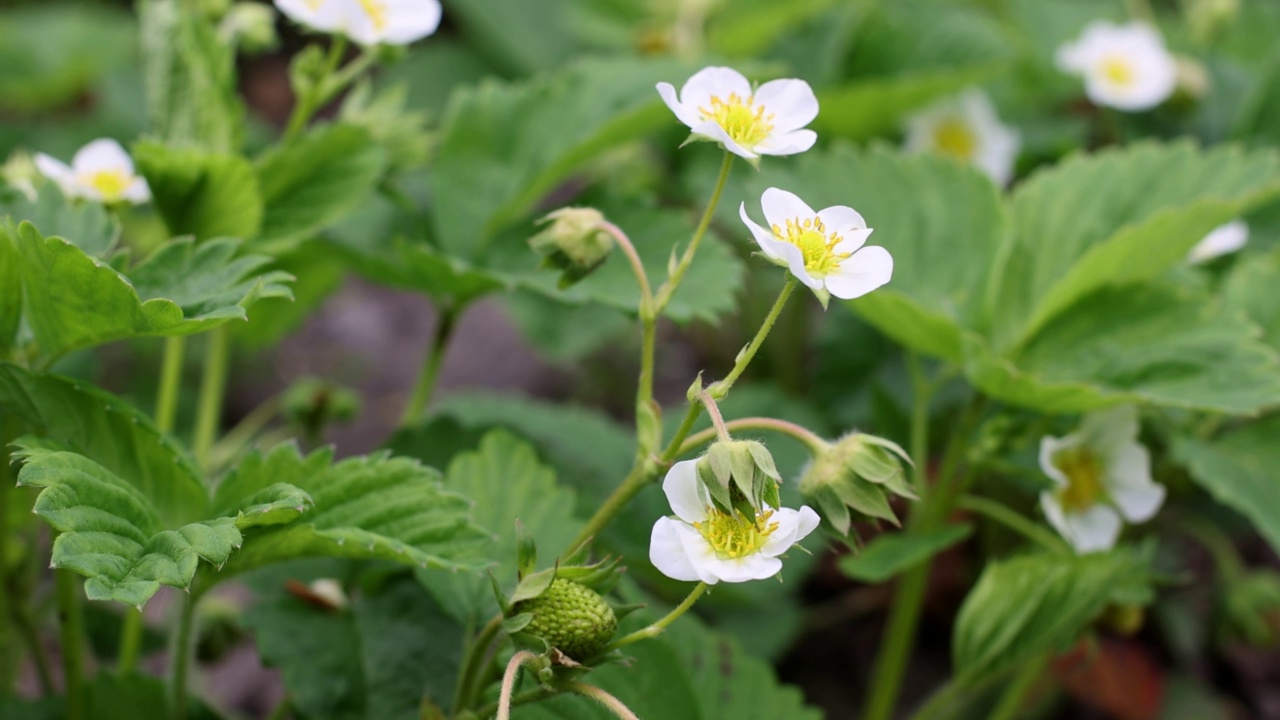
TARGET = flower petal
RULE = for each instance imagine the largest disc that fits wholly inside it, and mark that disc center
(842, 219)
(138, 191)
(711, 130)
(1106, 432)
(793, 526)
(667, 552)
(794, 259)
(1222, 240)
(684, 492)
(712, 82)
(59, 172)
(780, 206)
(866, 270)
(101, 154)
(791, 102)
(702, 557)
(852, 241)
(667, 92)
(1093, 530)
(1130, 484)
(1049, 448)
(788, 143)
(763, 237)
(410, 20)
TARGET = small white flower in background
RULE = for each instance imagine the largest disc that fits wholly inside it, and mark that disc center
(1126, 67)
(703, 543)
(1101, 477)
(367, 22)
(100, 171)
(1223, 240)
(966, 127)
(718, 104)
(824, 249)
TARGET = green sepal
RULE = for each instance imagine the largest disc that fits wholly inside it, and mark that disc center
(866, 499)
(516, 623)
(526, 551)
(533, 585)
(498, 594)
(833, 509)
(624, 610)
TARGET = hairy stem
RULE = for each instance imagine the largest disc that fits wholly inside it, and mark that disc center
(721, 388)
(614, 705)
(1012, 520)
(713, 411)
(668, 288)
(237, 438)
(71, 618)
(426, 384)
(521, 698)
(308, 103)
(212, 387)
(509, 682)
(170, 382)
(811, 440)
(182, 652)
(656, 628)
(473, 664)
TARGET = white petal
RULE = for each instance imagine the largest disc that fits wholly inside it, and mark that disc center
(410, 20)
(684, 492)
(711, 130)
(852, 241)
(1222, 240)
(795, 261)
(322, 15)
(868, 269)
(998, 153)
(791, 102)
(793, 526)
(59, 172)
(1049, 448)
(1130, 484)
(102, 154)
(842, 219)
(744, 569)
(1106, 432)
(702, 557)
(788, 143)
(763, 237)
(138, 191)
(713, 82)
(689, 117)
(780, 206)
(667, 553)
(1053, 512)
(1093, 530)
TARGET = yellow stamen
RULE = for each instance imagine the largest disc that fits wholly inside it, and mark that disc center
(111, 184)
(1117, 70)
(954, 137)
(733, 535)
(744, 121)
(377, 12)
(816, 245)
(1084, 479)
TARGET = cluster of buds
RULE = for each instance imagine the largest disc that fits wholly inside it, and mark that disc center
(854, 477)
(561, 611)
(574, 241)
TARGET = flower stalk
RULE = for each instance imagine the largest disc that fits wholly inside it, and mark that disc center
(426, 385)
(657, 627)
(509, 682)
(668, 288)
(613, 704)
(71, 617)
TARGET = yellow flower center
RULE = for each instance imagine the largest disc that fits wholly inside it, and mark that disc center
(744, 121)
(1084, 479)
(110, 183)
(954, 137)
(733, 535)
(1117, 70)
(816, 245)
(377, 12)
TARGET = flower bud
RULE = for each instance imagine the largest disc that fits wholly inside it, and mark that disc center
(573, 241)
(312, 404)
(1250, 610)
(1208, 17)
(740, 475)
(1123, 618)
(20, 173)
(1192, 77)
(858, 472)
(570, 617)
(250, 26)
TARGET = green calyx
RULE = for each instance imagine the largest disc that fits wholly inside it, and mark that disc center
(574, 241)
(857, 474)
(570, 617)
(740, 476)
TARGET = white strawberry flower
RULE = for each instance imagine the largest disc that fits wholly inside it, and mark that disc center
(719, 105)
(1126, 67)
(823, 249)
(966, 127)
(1102, 478)
(100, 171)
(1222, 240)
(367, 22)
(703, 543)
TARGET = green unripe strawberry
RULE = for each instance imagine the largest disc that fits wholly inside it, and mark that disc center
(571, 617)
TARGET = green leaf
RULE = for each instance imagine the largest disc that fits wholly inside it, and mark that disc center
(86, 224)
(74, 301)
(113, 434)
(870, 107)
(374, 661)
(111, 533)
(315, 180)
(749, 28)
(10, 294)
(50, 57)
(375, 507)
(507, 482)
(893, 553)
(1253, 287)
(503, 147)
(1238, 470)
(1030, 605)
(522, 38)
(201, 193)
(319, 271)
(107, 697)
(940, 220)
(1116, 217)
(1154, 344)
